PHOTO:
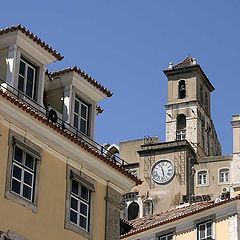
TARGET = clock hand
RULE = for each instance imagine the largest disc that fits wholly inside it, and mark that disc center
(162, 171)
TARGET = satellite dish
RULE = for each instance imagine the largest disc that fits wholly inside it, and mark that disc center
(52, 116)
(133, 210)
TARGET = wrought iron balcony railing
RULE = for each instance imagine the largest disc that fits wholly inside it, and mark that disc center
(44, 111)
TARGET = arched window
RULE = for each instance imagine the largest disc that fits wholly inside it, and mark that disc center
(181, 127)
(133, 210)
(182, 89)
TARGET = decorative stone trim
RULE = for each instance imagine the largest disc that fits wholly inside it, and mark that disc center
(82, 178)
(15, 138)
(9, 235)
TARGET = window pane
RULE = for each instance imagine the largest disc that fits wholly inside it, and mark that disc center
(30, 81)
(74, 203)
(83, 209)
(73, 216)
(27, 192)
(29, 162)
(209, 229)
(21, 84)
(170, 237)
(202, 231)
(83, 222)
(16, 186)
(22, 68)
(18, 154)
(28, 178)
(76, 109)
(17, 172)
(75, 123)
(75, 186)
(83, 111)
(83, 126)
(84, 193)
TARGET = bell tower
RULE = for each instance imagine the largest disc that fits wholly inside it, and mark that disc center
(188, 109)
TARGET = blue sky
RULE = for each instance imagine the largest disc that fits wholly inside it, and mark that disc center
(125, 45)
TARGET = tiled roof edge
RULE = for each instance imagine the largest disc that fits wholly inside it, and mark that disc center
(69, 136)
(191, 212)
(36, 39)
(85, 76)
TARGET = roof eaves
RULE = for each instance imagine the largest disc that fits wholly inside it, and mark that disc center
(171, 219)
(36, 39)
(67, 135)
(88, 78)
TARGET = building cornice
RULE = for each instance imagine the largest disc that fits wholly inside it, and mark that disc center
(64, 141)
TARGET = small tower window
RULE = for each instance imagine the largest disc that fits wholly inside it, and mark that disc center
(133, 210)
(182, 89)
(181, 127)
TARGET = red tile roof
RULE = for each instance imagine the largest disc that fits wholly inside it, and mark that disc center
(188, 64)
(36, 39)
(144, 224)
(28, 109)
(85, 76)
(188, 61)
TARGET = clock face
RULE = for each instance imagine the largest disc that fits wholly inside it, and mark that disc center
(162, 171)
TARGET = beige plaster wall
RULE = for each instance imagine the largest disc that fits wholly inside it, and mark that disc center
(190, 235)
(55, 99)
(214, 187)
(48, 221)
(222, 230)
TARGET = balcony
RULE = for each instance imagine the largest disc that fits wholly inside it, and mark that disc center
(53, 118)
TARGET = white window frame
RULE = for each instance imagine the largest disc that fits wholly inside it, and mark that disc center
(200, 181)
(206, 236)
(24, 169)
(90, 184)
(223, 175)
(80, 202)
(16, 140)
(27, 65)
(180, 135)
(166, 237)
(167, 234)
(80, 117)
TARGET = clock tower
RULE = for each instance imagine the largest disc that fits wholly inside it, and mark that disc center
(188, 109)
(168, 168)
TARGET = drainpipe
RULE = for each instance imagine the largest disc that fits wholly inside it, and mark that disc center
(106, 210)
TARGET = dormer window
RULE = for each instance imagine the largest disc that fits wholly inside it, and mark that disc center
(81, 116)
(27, 79)
(182, 89)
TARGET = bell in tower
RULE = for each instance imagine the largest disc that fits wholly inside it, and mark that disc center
(188, 112)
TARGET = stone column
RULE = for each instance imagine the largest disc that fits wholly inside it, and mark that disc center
(67, 102)
(11, 64)
(40, 87)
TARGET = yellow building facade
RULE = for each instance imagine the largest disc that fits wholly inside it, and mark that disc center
(56, 182)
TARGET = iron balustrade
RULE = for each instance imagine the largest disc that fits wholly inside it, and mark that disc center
(60, 123)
